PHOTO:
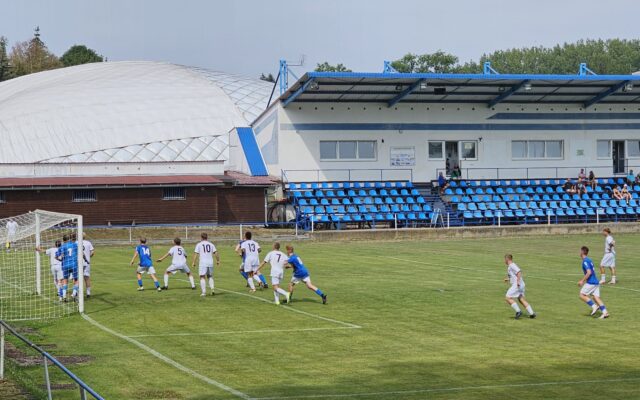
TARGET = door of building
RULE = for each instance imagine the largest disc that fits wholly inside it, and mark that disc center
(618, 153)
(452, 155)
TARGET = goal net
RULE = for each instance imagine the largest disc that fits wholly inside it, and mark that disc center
(29, 280)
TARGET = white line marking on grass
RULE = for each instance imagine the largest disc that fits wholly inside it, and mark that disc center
(334, 328)
(167, 359)
(286, 307)
(454, 389)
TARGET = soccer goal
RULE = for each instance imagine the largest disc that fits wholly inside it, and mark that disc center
(28, 290)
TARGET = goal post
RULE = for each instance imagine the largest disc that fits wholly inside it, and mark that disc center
(28, 286)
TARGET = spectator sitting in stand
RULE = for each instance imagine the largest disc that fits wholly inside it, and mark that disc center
(581, 187)
(581, 175)
(442, 183)
(592, 181)
(456, 173)
(569, 187)
(625, 194)
(631, 178)
(617, 194)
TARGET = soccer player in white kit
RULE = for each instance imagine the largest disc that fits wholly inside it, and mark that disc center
(55, 265)
(203, 254)
(12, 230)
(278, 261)
(250, 249)
(178, 263)
(89, 252)
(609, 258)
(516, 290)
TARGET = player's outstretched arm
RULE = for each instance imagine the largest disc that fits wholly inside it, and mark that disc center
(163, 257)
(260, 267)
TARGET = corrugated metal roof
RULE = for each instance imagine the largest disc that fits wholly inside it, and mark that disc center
(110, 181)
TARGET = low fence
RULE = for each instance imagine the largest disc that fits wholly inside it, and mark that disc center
(46, 359)
(347, 175)
(553, 172)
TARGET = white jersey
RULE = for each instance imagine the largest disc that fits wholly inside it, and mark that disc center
(512, 272)
(12, 228)
(87, 249)
(205, 249)
(609, 245)
(251, 250)
(51, 252)
(278, 260)
(179, 256)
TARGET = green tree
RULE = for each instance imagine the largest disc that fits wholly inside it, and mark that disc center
(80, 54)
(326, 67)
(268, 78)
(438, 62)
(32, 56)
(5, 67)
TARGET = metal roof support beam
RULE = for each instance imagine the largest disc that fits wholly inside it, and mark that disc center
(405, 93)
(298, 92)
(507, 93)
(605, 94)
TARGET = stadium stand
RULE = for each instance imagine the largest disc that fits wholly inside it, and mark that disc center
(483, 202)
(340, 205)
(360, 204)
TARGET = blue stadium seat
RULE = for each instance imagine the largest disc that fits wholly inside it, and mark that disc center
(472, 207)
(462, 207)
(426, 208)
(378, 201)
(416, 208)
(324, 202)
(346, 201)
(405, 208)
(570, 212)
(420, 200)
(560, 212)
(482, 207)
(415, 192)
(389, 200)
(493, 206)
(519, 214)
(357, 218)
(499, 190)
(368, 218)
(479, 191)
(385, 209)
(539, 213)
(395, 208)
(352, 210)
(410, 200)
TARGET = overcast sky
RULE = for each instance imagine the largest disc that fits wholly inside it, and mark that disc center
(250, 36)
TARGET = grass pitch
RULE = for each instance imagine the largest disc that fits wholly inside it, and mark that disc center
(405, 320)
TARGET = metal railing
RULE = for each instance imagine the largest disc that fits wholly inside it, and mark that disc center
(554, 172)
(346, 174)
(46, 358)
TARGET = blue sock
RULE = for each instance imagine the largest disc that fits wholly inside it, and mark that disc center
(319, 292)
(603, 308)
(590, 303)
(60, 291)
(157, 284)
(140, 282)
(244, 275)
(263, 279)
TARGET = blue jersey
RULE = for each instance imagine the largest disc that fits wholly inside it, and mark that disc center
(299, 270)
(587, 265)
(145, 255)
(68, 252)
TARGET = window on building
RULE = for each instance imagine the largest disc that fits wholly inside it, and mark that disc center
(468, 150)
(436, 151)
(328, 150)
(3, 199)
(174, 193)
(604, 148)
(537, 149)
(633, 148)
(348, 150)
(84, 196)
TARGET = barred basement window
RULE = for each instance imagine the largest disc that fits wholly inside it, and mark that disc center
(174, 193)
(84, 196)
(3, 199)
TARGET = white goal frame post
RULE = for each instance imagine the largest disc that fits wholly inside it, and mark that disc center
(41, 226)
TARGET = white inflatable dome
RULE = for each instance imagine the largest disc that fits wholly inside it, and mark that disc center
(125, 112)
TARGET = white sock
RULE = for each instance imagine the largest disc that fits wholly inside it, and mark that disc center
(282, 291)
(529, 309)
(613, 278)
(166, 280)
(191, 281)
(211, 284)
(275, 295)
(257, 278)
(603, 277)
(203, 285)
(88, 291)
(251, 285)
(515, 307)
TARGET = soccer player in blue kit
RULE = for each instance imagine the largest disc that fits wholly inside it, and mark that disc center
(145, 265)
(590, 285)
(300, 274)
(68, 255)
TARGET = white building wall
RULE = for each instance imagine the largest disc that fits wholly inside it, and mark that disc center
(298, 147)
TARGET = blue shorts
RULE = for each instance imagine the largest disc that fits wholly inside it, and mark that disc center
(69, 273)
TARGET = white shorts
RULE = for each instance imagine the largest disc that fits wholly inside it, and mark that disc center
(86, 270)
(56, 271)
(295, 280)
(609, 260)
(205, 270)
(178, 268)
(251, 265)
(515, 291)
(11, 237)
(276, 279)
(590, 290)
(148, 270)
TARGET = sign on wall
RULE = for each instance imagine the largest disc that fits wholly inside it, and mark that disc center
(403, 156)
